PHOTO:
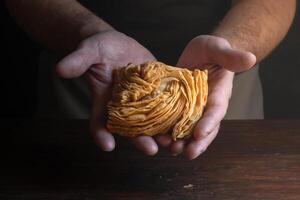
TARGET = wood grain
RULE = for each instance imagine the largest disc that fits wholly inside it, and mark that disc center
(58, 160)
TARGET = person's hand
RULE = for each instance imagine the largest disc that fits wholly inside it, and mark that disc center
(96, 57)
(217, 56)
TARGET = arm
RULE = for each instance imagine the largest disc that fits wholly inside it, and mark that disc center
(257, 25)
(93, 49)
(58, 25)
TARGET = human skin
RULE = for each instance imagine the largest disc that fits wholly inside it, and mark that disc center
(92, 48)
(255, 26)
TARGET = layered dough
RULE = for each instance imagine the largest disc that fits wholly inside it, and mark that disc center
(154, 98)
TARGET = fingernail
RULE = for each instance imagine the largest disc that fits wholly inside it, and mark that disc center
(197, 154)
(192, 157)
(108, 148)
(152, 151)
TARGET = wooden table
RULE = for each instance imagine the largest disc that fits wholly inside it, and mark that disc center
(58, 160)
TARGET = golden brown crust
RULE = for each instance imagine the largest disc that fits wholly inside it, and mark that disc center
(153, 98)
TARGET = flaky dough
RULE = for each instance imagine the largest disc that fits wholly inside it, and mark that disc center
(154, 98)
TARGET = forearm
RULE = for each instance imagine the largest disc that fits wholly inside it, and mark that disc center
(257, 25)
(58, 24)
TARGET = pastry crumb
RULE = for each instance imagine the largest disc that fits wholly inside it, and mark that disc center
(188, 186)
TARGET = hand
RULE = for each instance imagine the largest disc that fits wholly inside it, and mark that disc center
(96, 57)
(217, 56)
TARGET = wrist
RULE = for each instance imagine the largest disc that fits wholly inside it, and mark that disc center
(234, 42)
(93, 26)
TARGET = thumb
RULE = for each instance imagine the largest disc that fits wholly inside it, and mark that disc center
(231, 59)
(75, 64)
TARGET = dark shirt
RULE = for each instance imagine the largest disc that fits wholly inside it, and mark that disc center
(162, 26)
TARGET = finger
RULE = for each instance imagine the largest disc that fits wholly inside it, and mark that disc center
(208, 49)
(177, 147)
(75, 64)
(212, 117)
(217, 104)
(145, 144)
(196, 147)
(221, 53)
(104, 139)
(163, 140)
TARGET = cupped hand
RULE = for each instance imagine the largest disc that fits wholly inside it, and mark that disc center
(217, 56)
(96, 57)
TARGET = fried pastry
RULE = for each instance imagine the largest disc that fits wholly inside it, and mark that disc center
(154, 98)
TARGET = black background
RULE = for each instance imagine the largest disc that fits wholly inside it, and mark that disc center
(18, 81)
